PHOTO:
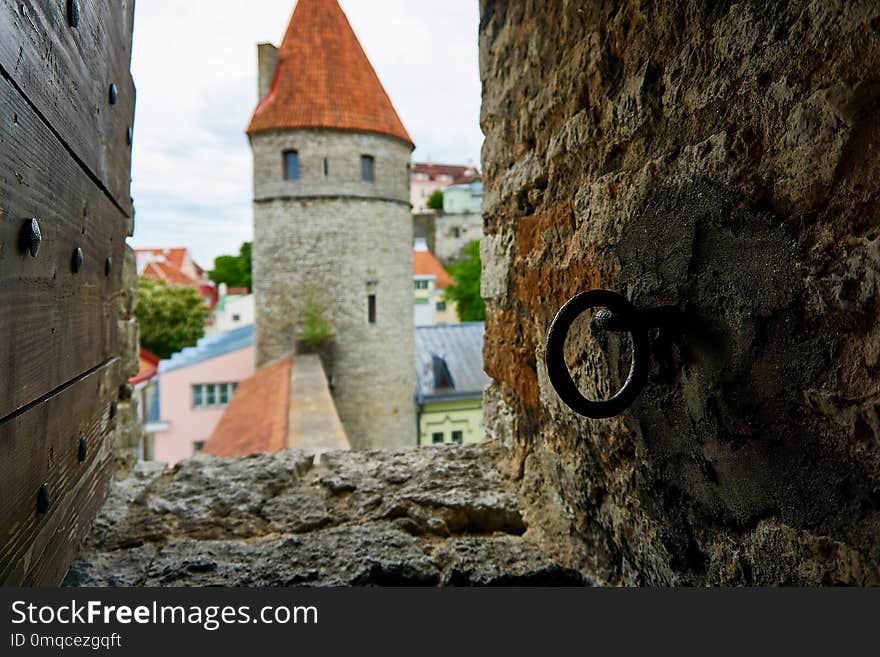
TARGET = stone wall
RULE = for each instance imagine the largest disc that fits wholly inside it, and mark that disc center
(454, 232)
(129, 434)
(723, 157)
(339, 239)
(342, 150)
(424, 226)
(447, 234)
(435, 516)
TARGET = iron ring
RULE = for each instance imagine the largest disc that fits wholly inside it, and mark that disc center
(557, 370)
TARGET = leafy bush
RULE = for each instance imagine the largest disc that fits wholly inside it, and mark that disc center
(466, 291)
(234, 270)
(170, 317)
(435, 200)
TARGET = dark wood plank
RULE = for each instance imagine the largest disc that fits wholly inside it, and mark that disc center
(66, 73)
(54, 324)
(41, 444)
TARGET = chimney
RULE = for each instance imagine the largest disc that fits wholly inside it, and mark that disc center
(267, 62)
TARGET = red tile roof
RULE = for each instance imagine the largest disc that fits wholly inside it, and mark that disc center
(148, 364)
(256, 418)
(177, 257)
(324, 79)
(425, 264)
(466, 178)
(454, 171)
(175, 267)
(167, 273)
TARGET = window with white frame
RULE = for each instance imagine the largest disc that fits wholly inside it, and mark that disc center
(212, 395)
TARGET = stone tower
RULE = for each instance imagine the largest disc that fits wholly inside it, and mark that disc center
(332, 226)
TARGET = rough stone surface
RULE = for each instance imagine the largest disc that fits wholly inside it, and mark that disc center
(337, 239)
(436, 516)
(453, 232)
(447, 234)
(128, 435)
(722, 156)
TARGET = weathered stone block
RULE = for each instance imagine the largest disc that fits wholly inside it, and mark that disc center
(668, 152)
(436, 516)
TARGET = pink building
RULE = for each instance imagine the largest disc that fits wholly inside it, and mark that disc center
(425, 177)
(195, 386)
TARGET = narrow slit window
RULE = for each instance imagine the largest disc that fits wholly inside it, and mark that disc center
(291, 165)
(326, 168)
(368, 166)
(371, 308)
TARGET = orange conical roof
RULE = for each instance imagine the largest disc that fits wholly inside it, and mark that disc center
(324, 79)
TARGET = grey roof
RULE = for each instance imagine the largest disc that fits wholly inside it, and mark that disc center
(210, 346)
(450, 354)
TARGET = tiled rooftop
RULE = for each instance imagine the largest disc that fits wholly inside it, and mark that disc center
(324, 79)
(426, 264)
(256, 418)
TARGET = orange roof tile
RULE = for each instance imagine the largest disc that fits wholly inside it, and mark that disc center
(166, 273)
(148, 364)
(174, 255)
(324, 79)
(425, 264)
(256, 418)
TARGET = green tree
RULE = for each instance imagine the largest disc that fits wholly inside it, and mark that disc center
(466, 291)
(234, 270)
(435, 200)
(170, 317)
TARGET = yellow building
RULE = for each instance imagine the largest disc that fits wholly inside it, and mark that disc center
(450, 383)
(430, 280)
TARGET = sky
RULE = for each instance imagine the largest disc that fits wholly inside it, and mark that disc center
(195, 68)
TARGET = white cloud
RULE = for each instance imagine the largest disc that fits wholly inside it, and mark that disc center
(194, 65)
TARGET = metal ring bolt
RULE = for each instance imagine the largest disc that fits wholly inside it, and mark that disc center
(621, 316)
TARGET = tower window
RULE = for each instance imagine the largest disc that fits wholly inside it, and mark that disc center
(371, 308)
(291, 165)
(326, 168)
(437, 438)
(458, 437)
(368, 166)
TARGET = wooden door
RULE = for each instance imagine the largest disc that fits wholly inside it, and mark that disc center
(66, 118)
